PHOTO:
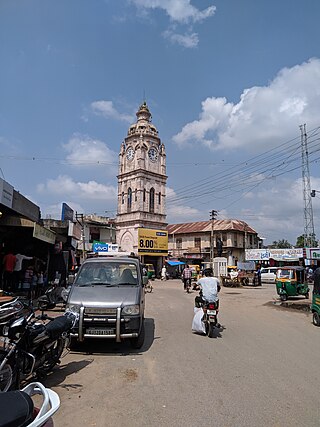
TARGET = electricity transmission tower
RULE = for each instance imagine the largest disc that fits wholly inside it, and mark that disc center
(308, 235)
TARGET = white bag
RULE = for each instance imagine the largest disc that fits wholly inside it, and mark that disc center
(197, 324)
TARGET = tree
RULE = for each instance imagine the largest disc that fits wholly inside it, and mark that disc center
(280, 244)
(300, 242)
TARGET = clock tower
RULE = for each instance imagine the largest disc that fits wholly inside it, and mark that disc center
(141, 182)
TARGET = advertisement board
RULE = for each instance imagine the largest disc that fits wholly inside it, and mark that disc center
(278, 254)
(67, 213)
(312, 253)
(152, 242)
(6, 193)
(104, 247)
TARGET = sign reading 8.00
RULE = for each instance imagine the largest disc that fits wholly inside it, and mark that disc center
(152, 242)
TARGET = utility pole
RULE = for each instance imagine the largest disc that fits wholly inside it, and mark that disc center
(213, 215)
(308, 235)
(82, 232)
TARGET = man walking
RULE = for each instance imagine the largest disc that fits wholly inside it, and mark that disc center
(186, 277)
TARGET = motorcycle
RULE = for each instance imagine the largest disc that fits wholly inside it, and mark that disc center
(210, 317)
(17, 407)
(53, 295)
(30, 348)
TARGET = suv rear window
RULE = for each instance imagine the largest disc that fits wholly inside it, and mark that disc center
(109, 273)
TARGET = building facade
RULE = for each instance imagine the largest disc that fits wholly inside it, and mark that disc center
(141, 183)
(191, 242)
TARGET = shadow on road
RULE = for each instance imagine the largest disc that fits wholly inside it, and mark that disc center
(59, 374)
(108, 347)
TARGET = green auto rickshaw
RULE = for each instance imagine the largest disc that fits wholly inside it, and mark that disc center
(315, 306)
(291, 281)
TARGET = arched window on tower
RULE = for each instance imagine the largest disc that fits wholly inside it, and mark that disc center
(144, 195)
(122, 197)
(151, 201)
(129, 199)
(159, 199)
(135, 195)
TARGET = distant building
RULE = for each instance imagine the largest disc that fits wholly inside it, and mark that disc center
(190, 242)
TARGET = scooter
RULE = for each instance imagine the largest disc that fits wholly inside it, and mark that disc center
(17, 407)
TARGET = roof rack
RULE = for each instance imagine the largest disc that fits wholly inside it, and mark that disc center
(110, 254)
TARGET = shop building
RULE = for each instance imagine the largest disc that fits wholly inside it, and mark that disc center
(191, 242)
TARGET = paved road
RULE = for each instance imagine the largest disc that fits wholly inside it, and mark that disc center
(260, 370)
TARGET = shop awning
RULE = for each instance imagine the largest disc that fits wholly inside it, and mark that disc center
(173, 263)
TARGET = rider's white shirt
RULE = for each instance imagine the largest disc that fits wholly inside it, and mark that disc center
(209, 286)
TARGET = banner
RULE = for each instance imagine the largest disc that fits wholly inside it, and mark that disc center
(152, 242)
(278, 254)
(104, 247)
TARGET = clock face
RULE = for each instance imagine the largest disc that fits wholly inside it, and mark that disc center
(153, 154)
(130, 153)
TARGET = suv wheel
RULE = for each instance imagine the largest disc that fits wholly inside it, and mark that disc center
(138, 342)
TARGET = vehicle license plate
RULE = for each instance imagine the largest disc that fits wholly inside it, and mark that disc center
(100, 331)
(212, 312)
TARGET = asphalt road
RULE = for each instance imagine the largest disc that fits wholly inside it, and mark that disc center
(261, 369)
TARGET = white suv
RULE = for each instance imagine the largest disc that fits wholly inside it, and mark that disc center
(268, 274)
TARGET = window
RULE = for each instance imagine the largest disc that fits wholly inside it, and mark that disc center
(151, 200)
(197, 242)
(122, 198)
(135, 195)
(144, 195)
(159, 200)
(179, 243)
(129, 199)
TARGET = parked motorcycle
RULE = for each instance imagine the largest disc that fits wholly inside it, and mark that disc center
(31, 348)
(17, 407)
(53, 295)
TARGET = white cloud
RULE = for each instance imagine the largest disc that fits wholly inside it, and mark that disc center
(107, 110)
(185, 40)
(180, 213)
(178, 10)
(264, 116)
(65, 187)
(84, 151)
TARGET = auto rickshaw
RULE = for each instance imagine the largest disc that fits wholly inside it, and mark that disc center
(291, 281)
(151, 272)
(315, 306)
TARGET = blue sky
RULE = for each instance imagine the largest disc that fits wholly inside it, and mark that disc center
(228, 83)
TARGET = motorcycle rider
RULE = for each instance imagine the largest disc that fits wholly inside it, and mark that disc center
(209, 287)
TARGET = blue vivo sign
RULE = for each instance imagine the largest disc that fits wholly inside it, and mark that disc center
(100, 247)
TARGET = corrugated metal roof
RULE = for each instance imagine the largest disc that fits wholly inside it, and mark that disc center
(205, 226)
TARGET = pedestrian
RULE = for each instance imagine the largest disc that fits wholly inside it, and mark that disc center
(27, 281)
(17, 272)
(163, 273)
(186, 277)
(9, 262)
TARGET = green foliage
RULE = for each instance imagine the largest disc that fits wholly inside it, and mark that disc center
(313, 243)
(280, 244)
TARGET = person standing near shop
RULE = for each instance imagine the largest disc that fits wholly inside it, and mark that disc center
(186, 277)
(17, 272)
(9, 262)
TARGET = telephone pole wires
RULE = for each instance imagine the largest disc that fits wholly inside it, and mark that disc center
(308, 235)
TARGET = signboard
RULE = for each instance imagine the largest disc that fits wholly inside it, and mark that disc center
(292, 254)
(104, 247)
(312, 253)
(74, 230)
(43, 234)
(152, 242)
(67, 213)
(6, 193)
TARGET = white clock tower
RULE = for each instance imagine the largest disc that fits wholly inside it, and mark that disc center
(141, 182)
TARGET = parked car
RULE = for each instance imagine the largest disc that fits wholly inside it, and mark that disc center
(109, 297)
(268, 274)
